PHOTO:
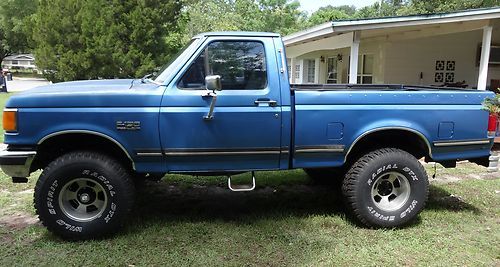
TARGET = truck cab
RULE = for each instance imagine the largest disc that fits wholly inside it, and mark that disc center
(250, 124)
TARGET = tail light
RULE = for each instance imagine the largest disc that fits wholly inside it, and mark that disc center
(10, 120)
(492, 124)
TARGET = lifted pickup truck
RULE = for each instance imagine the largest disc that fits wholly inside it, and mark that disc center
(225, 106)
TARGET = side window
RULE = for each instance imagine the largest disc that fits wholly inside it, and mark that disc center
(241, 65)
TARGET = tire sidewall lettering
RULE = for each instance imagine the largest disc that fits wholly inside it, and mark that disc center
(54, 190)
(385, 168)
(51, 193)
(410, 205)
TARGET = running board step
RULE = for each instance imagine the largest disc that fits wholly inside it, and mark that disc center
(241, 188)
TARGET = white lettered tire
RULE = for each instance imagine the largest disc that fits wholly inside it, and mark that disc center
(84, 195)
(386, 188)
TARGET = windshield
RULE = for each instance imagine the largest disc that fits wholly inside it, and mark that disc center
(179, 58)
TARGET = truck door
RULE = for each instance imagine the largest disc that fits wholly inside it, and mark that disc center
(245, 130)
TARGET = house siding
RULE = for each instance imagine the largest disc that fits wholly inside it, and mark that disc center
(405, 60)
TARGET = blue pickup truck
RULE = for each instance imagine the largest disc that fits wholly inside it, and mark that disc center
(224, 106)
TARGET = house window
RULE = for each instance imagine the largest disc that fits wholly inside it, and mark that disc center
(297, 71)
(15, 62)
(311, 70)
(332, 70)
(365, 69)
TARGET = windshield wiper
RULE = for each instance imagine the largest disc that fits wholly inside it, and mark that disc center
(147, 77)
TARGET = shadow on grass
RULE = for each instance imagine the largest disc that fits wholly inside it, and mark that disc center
(208, 203)
(440, 199)
(170, 203)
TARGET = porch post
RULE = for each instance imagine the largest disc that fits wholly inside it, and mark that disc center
(353, 68)
(292, 70)
(301, 72)
(485, 58)
(316, 70)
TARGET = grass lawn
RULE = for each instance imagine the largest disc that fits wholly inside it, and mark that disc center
(286, 221)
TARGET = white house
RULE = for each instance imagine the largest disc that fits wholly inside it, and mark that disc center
(22, 61)
(461, 49)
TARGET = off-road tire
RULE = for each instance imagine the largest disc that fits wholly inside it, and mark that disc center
(93, 170)
(363, 184)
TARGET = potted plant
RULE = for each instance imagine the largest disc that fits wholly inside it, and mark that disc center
(493, 105)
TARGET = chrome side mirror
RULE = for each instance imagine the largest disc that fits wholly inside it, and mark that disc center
(213, 83)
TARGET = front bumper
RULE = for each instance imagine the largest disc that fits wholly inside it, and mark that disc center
(16, 164)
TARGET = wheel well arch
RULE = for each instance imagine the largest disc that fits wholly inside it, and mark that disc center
(55, 144)
(409, 140)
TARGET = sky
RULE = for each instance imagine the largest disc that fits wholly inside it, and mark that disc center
(313, 5)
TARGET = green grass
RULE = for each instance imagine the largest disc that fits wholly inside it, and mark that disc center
(3, 98)
(286, 221)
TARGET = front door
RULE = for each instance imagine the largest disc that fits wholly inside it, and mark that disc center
(244, 132)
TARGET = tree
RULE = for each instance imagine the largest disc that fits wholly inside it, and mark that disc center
(92, 39)
(437, 6)
(326, 14)
(14, 35)
(212, 15)
(414, 7)
(281, 16)
(386, 8)
(348, 10)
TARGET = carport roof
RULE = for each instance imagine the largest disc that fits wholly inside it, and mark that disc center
(343, 26)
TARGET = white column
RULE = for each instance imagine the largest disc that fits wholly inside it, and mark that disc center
(316, 70)
(485, 58)
(353, 68)
(301, 72)
(292, 70)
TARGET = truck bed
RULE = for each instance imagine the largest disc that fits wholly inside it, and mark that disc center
(383, 87)
(334, 117)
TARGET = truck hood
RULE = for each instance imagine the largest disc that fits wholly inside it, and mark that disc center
(93, 93)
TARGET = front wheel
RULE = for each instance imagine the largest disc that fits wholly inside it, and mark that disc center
(84, 195)
(386, 188)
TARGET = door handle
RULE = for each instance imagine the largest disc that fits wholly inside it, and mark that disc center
(266, 102)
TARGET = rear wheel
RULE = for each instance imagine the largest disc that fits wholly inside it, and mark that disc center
(386, 188)
(84, 195)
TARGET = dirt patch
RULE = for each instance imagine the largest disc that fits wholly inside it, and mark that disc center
(447, 178)
(464, 171)
(18, 221)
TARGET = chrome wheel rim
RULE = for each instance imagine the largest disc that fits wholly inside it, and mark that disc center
(82, 199)
(390, 191)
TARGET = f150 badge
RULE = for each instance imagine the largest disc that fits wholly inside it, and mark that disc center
(128, 125)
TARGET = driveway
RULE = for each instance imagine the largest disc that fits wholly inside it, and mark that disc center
(22, 84)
